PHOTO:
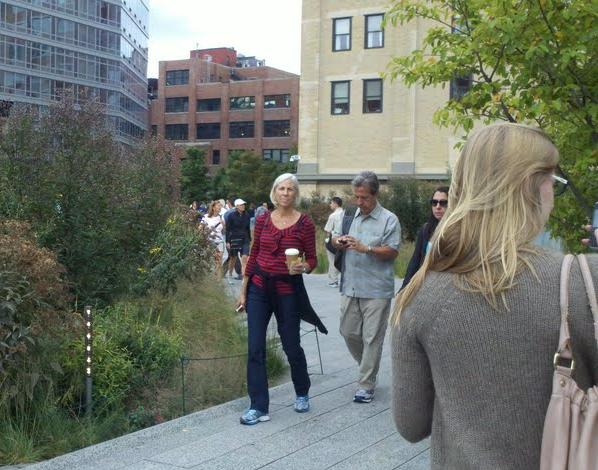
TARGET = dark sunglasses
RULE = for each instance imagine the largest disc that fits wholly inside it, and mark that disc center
(439, 202)
(559, 184)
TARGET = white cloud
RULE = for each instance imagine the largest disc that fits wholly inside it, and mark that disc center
(268, 29)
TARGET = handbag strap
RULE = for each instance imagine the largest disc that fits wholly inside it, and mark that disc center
(564, 350)
(590, 291)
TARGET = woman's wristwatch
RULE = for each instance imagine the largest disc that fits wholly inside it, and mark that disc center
(305, 271)
(369, 249)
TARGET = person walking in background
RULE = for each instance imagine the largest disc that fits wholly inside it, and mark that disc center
(439, 203)
(251, 212)
(367, 280)
(237, 236)
(223, 208)
(229, 209)
(261, 209)
(475, 330)
(272, 284)
(333, 224)
(215, 226)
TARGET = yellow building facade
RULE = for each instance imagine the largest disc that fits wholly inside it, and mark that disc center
(349, 118)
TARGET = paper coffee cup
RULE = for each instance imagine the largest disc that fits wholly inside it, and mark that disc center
(292, 255)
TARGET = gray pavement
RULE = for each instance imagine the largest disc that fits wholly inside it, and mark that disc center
(335, 434)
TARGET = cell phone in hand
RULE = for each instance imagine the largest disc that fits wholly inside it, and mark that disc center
(593, 241)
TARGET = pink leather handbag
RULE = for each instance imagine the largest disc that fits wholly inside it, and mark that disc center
(570, 439)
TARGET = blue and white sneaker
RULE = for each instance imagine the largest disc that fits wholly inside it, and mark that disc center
(363, 396)
(251, 417)
(302, 404)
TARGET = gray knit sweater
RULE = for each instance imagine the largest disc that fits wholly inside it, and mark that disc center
(479, 381)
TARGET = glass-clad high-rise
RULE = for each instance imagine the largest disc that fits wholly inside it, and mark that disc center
(87, 47)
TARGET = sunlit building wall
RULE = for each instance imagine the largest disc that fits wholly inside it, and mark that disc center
(90, 48)
(350, 117)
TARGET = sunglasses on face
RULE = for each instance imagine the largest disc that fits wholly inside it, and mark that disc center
(439, 202)
(559, 185)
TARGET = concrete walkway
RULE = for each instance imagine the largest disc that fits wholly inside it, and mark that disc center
(336, 433)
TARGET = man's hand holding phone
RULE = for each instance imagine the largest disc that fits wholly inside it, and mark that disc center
(342, 242)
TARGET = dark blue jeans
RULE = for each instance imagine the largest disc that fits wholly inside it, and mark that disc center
(260, 306)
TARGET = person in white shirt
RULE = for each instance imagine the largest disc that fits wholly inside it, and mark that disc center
(333, 224)
(215, 226)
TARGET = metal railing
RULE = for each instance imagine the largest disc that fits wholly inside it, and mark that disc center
(184, 361)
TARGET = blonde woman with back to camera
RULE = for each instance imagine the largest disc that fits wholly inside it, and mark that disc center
(475, 331)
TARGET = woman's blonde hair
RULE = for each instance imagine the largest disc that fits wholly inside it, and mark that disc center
(494, 212)
(211, 208)
(284, 177)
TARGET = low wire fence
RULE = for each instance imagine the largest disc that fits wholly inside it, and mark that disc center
(212, 385)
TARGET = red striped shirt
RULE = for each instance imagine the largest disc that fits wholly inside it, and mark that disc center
(269, 244)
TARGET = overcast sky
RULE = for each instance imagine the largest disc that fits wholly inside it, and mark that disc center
(267, 29)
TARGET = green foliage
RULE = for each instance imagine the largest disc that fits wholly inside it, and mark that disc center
(409, 199)
(180, 250)
(532, 62)
(402, 261)
(142, 417)
(249, 176)
(133, 352)
(45, 431)
(195, 181)
(33, 318)
(85, 195)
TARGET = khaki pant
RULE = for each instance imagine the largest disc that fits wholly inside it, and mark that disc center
(363, 325)
(333, 273)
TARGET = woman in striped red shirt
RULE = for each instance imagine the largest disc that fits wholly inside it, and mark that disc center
(269, 286)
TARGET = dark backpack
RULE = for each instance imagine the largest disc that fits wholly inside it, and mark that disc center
(345, 227)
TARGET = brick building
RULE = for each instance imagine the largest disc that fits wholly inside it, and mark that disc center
(202, 101)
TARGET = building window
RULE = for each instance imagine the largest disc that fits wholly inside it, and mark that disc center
(460, 86)
(177, 77)
(208, 130)
(277, 128)
(242, 102)
(215, 157)
(210, 104)
(341, 34)
(276, 155)
(340, 99)
(241, 130)
(176, 132)
(177, 105)
(374, 35)
(154, 131)
(372, 95)
(277, 101)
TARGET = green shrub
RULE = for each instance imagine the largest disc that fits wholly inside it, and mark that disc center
(180, 250)
(409, 199)
(85, 195)
(34, 321)
(132, 354)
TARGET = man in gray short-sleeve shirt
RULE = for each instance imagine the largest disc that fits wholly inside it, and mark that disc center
(367, 282)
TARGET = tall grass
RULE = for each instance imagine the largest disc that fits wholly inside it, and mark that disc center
(216, 344)
(46, 431)
(203, 315)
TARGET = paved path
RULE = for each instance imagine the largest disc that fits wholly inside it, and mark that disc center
(335, 434)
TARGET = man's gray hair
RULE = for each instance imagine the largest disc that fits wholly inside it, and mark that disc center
(367, 179)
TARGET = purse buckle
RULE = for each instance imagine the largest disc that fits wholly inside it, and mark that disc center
(557, 359)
